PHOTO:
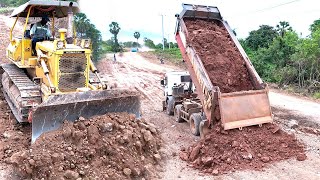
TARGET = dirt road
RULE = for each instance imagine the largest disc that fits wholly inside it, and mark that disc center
(297, 106)
(134, 71)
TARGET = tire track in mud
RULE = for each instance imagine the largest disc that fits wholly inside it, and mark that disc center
(127, 78)
(130, 75)
(145, 82)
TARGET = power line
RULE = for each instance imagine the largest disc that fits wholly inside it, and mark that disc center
(272, 7)
(265, 9)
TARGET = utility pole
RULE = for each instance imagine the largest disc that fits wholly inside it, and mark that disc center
(168, 41)
(162, 33)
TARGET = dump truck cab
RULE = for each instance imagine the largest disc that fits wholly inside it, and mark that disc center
(177, 85)
(176, 78)
(181, 99)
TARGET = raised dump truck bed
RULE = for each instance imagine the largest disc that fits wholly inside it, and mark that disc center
(227, 84)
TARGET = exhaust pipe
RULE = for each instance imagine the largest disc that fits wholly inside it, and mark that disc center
(70, 25)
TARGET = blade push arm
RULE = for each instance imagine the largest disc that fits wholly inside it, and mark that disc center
(95, 71)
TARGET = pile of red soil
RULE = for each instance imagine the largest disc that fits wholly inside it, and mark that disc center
(252, 148)
(113, 146)
(222, 60)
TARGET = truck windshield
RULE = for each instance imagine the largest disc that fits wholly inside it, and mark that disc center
(185, 78)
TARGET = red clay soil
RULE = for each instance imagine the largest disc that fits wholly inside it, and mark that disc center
(252, 148)
(310, 130)
(221, 58)
(113, 146)
(14, 136)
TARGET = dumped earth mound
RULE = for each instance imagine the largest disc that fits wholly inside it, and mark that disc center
(221, 58)
(252, 148)
(112, 146)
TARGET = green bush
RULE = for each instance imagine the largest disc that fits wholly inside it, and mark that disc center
(6, 10)
(316, 95)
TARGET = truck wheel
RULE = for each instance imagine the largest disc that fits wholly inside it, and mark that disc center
(170, 105)
(177, 113)
(194, 121)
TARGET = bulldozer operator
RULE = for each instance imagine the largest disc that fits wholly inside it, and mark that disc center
(40, 32)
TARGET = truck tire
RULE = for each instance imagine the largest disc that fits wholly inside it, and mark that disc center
(170, 105)
(177, 113)
(195, 120)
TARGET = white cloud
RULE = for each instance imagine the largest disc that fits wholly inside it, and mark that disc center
(243, 16)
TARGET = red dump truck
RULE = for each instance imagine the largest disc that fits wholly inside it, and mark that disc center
(229, 90)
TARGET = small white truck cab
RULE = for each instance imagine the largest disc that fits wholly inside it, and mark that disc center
(180, 99)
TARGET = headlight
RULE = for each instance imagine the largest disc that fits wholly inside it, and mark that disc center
(60, 45)
(87, 44)
(78, 42)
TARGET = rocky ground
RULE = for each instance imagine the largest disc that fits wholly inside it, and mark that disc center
(112, 146)
(251, 148)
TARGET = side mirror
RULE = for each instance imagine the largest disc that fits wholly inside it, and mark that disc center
(162, 82)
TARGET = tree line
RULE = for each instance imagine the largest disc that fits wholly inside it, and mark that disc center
(12, 3)
(278, 53)
(114, 45)
(281, 56)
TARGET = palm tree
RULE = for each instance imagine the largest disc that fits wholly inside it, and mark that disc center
(137, 36)
(282, 27)
(82, 24)
(114, 29)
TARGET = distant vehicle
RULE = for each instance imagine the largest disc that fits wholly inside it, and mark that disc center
(134, 49)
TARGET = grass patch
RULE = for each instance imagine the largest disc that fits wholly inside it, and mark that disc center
(172, 55)
(6, 10)
(316, 95)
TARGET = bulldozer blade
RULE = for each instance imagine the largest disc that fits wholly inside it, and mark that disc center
(51, 114)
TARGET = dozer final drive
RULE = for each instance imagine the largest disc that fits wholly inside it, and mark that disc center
(56, 84)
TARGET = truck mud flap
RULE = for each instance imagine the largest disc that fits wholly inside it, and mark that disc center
(246, 108)
(51, 114)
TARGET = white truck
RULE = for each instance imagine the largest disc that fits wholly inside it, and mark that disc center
(180, 99)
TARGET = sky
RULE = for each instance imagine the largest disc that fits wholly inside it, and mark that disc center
(145, 16)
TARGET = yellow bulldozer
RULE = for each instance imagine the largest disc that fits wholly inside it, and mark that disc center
(59, 82)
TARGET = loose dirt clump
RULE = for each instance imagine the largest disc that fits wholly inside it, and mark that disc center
(252, 148)
(221, 58)
(112, 146)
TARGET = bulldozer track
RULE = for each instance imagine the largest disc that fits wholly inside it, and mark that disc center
(23, 94)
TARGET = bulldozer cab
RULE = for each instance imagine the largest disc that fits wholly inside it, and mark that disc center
(20, 48)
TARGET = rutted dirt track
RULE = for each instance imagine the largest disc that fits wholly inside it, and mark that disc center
(134, 71)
